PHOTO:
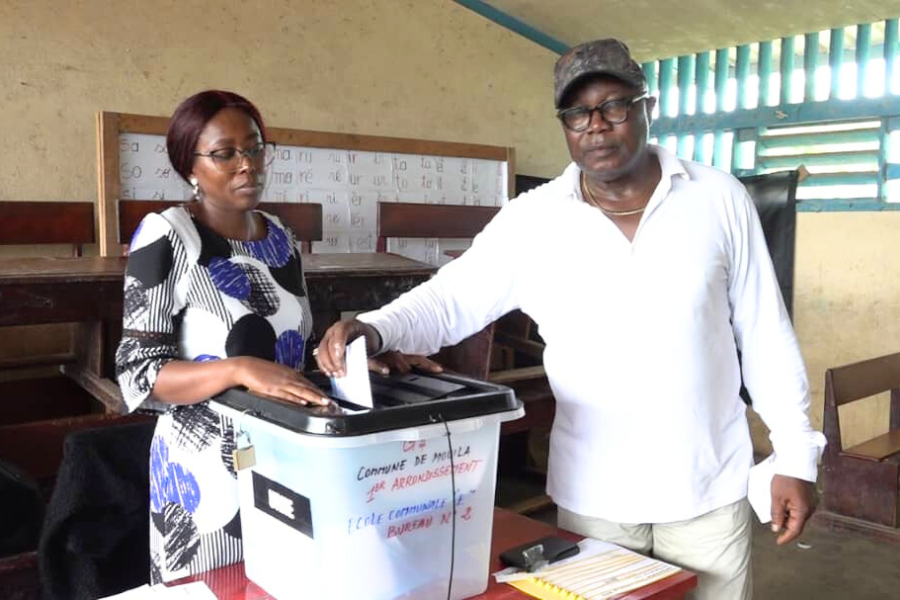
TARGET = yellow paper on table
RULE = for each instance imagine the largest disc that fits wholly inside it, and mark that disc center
(596, 577)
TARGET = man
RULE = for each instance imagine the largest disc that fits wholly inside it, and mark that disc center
(645, 274)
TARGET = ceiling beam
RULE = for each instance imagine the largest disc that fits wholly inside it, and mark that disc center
(513, 24)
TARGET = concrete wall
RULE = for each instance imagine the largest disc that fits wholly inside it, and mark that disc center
(429, 70)
(846, 307)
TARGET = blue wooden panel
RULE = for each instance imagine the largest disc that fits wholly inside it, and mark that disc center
(836, 60)
(825, 158)
(649, 69)
(787, 68)
(701, 77)
(721, 78)
(842, 205)
(742, 75)
(863, 48)
(822, 179)
(764, 69)
(810, 63)
(666, 68)
(890, 53)
(812, 139)
(825, 111)
(685, 79)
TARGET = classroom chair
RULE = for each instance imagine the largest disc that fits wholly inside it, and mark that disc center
(862, 482)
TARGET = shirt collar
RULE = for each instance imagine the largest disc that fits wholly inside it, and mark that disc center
(670, 165)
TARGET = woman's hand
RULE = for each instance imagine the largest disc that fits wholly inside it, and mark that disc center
(396, 361)
(330, 353)
(267, 378)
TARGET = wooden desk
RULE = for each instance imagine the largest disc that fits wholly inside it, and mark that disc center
(88, 291)
(60, 290)
(83, 290)
(357, 282)
(510, 529)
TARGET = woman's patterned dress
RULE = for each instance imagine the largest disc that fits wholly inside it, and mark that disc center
(191, 294)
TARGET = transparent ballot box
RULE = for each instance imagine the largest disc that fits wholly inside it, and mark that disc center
(371, 503)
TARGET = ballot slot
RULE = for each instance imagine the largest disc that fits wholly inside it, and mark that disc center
(400, 400)
(399, 389)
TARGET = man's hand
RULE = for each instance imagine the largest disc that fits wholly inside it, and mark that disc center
(330, 353)
(793, 503)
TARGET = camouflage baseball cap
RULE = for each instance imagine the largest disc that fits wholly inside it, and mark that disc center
(601, 57)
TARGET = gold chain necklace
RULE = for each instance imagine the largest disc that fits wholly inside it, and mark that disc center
(612, 212)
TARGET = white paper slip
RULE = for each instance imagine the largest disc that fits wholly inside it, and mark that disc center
(354, 386)
(759, 488)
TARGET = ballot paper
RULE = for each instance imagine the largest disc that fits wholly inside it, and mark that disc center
(196, 590)
(759, 488)
(354, 386)
(600, 571)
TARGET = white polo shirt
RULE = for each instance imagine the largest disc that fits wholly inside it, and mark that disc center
(641, 337)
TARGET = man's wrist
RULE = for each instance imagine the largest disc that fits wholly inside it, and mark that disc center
(374, 341)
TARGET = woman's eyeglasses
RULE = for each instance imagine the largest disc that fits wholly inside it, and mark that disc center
(230, 160)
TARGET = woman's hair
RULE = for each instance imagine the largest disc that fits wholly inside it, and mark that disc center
(191, 117)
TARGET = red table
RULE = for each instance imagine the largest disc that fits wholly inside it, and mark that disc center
(510, 529)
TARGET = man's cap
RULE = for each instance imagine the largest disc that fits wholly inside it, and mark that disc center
(601, 57)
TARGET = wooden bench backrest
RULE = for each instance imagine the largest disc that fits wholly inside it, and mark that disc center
(857, 381)
(47, 223)
(305, 220)
(397, 219)
(863, 379)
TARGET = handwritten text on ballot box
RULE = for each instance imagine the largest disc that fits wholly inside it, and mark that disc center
(369, 516)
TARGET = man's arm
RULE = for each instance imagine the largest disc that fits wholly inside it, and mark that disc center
(773, 371)
(461, 299)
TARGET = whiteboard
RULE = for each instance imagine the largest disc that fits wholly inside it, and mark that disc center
(347, 183)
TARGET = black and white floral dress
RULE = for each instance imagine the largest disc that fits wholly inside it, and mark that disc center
(191, 294)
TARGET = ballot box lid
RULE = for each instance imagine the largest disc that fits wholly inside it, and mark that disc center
(401, 401)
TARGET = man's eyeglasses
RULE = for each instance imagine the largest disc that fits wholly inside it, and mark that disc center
(578, 118)
(230, 160)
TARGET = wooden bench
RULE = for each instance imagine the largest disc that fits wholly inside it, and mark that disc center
(305, 220)
(862, 482)
(414, 220)
(39, 223)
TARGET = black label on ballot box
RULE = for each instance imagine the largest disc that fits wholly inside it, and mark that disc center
(282, 503)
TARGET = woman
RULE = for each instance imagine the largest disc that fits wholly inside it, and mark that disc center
(214, 298)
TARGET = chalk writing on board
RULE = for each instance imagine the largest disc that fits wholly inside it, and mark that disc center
(348, 184)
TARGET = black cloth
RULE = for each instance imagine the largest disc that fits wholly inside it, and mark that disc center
(21, 511)
(774, 195)
(775, 198)
(95, 541)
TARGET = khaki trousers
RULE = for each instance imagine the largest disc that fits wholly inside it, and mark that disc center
(716, 546)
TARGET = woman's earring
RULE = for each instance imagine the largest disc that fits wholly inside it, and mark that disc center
(195, 186)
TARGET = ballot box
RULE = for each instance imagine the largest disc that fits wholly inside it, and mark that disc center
(371, 503)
